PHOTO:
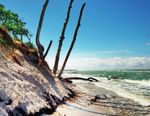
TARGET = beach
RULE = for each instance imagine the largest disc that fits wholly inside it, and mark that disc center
(107, 103)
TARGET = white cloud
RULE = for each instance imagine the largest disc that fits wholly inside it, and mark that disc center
(92, 61)
(108, 63)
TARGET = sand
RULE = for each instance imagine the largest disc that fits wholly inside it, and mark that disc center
(108, 103)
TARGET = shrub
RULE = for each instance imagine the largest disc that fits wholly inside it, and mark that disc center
(30, 44)
(2, 42)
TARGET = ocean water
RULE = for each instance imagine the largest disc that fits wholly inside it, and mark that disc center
(131, 83)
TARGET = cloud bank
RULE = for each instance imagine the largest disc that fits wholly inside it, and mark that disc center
(92, 63)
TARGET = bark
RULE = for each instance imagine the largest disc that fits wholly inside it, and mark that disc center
(50, 43)
(73, 41)
(39, 45)
(62, 37)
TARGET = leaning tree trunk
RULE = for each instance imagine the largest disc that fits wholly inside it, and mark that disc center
(39, 45)
(73, 41)
(62, 37)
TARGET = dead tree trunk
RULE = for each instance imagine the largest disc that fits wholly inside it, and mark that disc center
(62, 37)
(73, 41)
(39, 45)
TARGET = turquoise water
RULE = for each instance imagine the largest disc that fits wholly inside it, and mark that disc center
(131, 83)
(132, 74)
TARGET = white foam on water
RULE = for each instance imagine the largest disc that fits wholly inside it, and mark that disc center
(142, 82)
(65, 75)
(123, 90)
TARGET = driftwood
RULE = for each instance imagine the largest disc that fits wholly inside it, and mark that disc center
(100, 97)
(91, 79)
(93, 100)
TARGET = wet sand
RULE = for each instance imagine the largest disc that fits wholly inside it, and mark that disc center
(107, 104)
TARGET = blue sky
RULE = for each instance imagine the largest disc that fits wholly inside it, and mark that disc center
(110, 29)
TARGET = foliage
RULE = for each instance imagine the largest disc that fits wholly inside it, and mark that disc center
(13, 23)
(2, 42)
(30, 44)
(20, 40)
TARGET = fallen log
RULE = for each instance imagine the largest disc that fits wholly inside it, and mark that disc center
(91, 79)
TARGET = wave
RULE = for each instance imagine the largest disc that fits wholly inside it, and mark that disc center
(136, 90)
(131, 86)
(127, 94)
(142, 82)
(120, 74)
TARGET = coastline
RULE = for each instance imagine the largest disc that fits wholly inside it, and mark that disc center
(107, 104)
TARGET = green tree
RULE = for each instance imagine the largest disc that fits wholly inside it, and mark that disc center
(13, 23)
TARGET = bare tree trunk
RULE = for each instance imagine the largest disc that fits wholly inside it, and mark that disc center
(62, 37)
(73, 41)
(39, 45)
(50, 43)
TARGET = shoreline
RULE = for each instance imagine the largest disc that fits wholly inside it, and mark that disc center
(107, 104)
(138, 90)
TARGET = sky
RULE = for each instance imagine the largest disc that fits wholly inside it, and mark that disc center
(114, 34)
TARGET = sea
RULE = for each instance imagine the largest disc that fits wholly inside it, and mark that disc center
(128, 83)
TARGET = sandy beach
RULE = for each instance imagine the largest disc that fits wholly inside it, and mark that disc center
(108, 103)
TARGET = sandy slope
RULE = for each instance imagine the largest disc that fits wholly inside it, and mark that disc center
(27, 89)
